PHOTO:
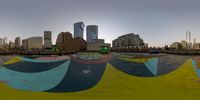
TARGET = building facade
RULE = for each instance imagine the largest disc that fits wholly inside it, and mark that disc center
(25, 44)
(17, 43)
(5, 43)
(11, 45)
(196, 46)
(74, 45)
(96, 46)
(47, 39)
(65, 42)
(79, 29)
(34, 43)
(128, 41)
(99, 41)
(62, 37)
(176, 46)
(92, 33)
(184, 44)
(1, 42)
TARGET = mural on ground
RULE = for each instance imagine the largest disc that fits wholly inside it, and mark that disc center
(95, 76)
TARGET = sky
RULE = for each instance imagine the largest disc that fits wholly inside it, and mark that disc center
(158, 22)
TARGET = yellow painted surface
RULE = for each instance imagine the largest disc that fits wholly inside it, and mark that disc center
(13, 60)
(137, 60)
(181, 84)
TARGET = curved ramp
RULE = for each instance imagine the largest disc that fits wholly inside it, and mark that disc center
(169, 63)
(152, 65)
(132, 68)
(53, 58)
(116, 85)
(4, 59)
(80, 77)
(40, 61)
(148, 67)
(13, 60)
(34, 81)
(30, 67)
(196, 67)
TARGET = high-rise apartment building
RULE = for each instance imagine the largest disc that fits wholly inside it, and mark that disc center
(92, 33)
(47, 39)
(17, 42)
(1, 42)
(79, 29)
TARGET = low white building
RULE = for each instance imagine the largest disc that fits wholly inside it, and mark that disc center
(96, 46)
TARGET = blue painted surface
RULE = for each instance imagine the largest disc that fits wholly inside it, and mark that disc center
(80, 77)
(195, 68)
(40, 61)
(30, 67)
(152, 65)
(169, 63)
(132, 68)
(41, 81)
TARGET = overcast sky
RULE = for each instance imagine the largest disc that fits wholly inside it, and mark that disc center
(158, 22)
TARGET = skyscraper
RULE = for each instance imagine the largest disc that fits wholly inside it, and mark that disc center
(17, 42)
(188, 39)
(5, 41)
(11, 45)
(79, 29)
(25, 44)
(47, 39)
(1, 42)
(92, 33)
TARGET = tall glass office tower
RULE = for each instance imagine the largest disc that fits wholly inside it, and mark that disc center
(92, 33)
(79, 29)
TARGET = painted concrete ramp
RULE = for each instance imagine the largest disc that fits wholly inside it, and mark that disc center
(152, 65)
(80, 77)
(13, 60)
(157, 66)
(53, 58)
(41, 81)
(4, 59)
(40, 60)
(197, 70)
(170, 63)
(30, 67)
(132, 68)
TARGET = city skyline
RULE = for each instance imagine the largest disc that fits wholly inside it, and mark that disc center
(168, 20)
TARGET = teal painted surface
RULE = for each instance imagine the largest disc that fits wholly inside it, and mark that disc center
(195, 68)
(34, 81)
(90, 56)
(38, 60)
(152, 65)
